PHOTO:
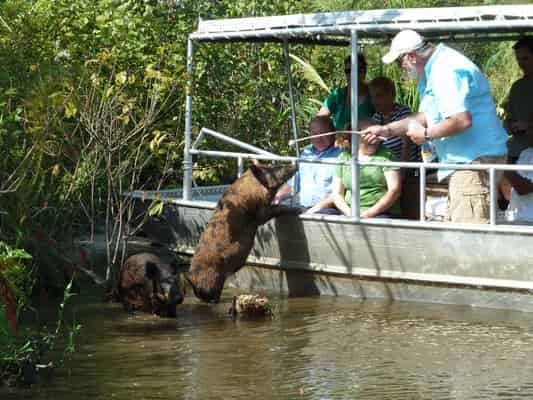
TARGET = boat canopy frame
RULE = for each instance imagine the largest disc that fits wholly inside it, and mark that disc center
(448, 24)
(440, 23)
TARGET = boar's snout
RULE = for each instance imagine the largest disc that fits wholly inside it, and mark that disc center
(208, 293)
(168, 293)
(171, 298)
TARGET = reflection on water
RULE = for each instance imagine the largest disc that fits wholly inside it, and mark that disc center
(315, 348)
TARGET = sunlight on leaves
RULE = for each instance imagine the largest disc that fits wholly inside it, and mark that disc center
(310, 73)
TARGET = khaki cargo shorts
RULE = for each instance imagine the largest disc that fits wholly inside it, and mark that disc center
(469, 193)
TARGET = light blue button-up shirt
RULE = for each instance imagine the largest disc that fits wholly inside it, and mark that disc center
(454, 84)
(313, 181)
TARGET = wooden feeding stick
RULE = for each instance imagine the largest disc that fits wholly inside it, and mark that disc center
(292, 142)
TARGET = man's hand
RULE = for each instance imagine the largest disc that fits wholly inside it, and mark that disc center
(375, 134)
(416, 133)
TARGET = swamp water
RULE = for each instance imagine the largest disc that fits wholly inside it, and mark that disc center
(313, 348)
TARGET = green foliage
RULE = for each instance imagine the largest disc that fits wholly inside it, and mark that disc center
(15, 288)
(310, 73)
(19, 358)
(50, 48)
(13, 268)
(6, 336)
(156, 207)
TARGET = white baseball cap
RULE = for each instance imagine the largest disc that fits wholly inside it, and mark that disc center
(404, 42)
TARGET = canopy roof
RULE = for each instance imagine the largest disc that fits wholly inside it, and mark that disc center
(444, 23)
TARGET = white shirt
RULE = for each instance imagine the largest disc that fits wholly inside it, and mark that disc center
(521, 206)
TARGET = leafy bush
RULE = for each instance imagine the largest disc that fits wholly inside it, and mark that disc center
(22, 357)
(15, 283)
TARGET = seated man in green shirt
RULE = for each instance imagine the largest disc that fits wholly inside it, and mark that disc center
(380, 187)
(338, 103)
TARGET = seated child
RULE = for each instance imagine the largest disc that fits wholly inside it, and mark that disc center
(314, 181)
(380, 187)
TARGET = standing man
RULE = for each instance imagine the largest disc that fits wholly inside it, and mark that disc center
(520, 102)
(456, 113)
(313, 181)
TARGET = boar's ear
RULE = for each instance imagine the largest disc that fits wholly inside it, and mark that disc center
(259, 174)
(151, 270)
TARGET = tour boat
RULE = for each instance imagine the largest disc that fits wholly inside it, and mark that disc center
(419, 260)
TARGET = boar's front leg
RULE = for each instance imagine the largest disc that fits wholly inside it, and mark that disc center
(274, 211)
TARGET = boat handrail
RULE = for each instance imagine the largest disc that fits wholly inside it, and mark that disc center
(260, 154)
(401, 164)
(229, 139)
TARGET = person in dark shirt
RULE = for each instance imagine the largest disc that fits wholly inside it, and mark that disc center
(383, 94)
(338, 103)
(520, 100)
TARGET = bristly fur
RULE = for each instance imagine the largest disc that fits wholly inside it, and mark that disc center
(148, 284)
(228, 238)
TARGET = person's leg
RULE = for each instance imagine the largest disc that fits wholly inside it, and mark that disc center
(329, 211)
(387, 215)
(469, 194)
(410, 197)
(504, 188)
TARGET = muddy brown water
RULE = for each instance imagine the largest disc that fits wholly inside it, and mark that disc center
(314, 348)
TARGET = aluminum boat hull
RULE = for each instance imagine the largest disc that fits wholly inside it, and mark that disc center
(393, 260)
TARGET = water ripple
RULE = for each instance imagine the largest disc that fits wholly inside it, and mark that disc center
(313, 348)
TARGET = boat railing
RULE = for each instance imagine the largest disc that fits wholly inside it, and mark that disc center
(260, 154)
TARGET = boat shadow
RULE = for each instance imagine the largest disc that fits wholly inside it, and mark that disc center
(327, 257)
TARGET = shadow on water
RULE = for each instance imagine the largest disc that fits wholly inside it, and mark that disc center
(313, 348)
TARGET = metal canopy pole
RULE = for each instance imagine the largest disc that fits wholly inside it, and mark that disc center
(422, 205)
(493, 195)
(354, 123)
(187, 158)
(291, 95)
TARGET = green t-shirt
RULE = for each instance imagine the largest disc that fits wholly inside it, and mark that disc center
(372, 182)
(340, 110)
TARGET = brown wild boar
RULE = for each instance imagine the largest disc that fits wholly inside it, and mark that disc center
(148, 284)
(229, 236)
